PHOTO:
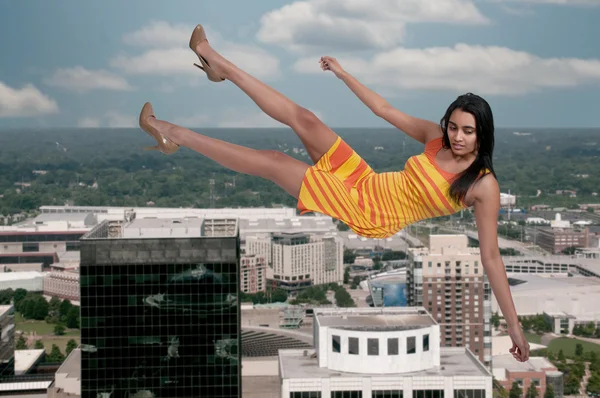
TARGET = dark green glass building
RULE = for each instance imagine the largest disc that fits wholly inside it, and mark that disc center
(159, 310)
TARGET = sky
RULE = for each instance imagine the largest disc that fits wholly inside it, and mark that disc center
(73, 63)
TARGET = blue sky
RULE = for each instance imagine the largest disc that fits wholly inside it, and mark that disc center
(80, 63)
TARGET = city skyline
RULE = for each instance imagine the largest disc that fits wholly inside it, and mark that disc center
(88, 65)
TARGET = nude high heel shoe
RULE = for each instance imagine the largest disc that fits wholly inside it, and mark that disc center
(198, 36)
(165, 145)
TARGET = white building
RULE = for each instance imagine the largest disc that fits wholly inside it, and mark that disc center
(259, 246)
(31, 281)
(300, 260)
(380, 353)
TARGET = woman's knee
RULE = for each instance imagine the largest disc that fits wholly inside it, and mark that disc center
(307, 120)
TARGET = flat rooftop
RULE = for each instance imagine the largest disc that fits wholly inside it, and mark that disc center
(507, 362)
(152, 228)
(454, 361)
(25, 359)
(374, 319)
(5, 308)
(552, 282)
(72, 365)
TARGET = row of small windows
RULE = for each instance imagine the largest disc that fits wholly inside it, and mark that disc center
(389, 394)
(373, 345)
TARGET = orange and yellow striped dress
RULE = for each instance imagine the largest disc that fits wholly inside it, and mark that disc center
(377, 205)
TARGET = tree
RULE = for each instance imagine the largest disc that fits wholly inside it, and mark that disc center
(21, 343)
(55, 355)
(349, 256)
(278, 296)
(549, 391)
(578, 349)
(19, 295)
(532, 391)
(38, 345)
(59, 330)
(73, 317)
(33, 306)
(64, 308)
(346, 275)
(71, 345)
(54, 304)
(515, 391)
(561, 355)
(495, 320)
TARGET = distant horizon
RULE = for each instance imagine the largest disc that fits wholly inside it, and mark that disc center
(198, 128)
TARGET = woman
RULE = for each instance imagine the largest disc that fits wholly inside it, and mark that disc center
(454, 171)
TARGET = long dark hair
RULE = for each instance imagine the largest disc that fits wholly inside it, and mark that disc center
(484, 120)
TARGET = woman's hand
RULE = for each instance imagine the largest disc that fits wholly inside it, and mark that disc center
(520, 348)
(329, 63)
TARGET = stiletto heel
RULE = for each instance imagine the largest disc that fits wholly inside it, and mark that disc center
(165, 145)
(198, 36)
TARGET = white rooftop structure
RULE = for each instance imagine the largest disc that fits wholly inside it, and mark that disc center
(47, 222)
(364, 351)
(25, 359)
(539, 293)
(504, 363)
(165, 228)
(117, 213)
(559, 223)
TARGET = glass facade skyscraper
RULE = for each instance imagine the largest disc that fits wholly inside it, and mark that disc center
(160, 314)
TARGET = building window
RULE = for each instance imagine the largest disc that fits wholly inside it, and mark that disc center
(346, 394)
(353, 345)
(469, 393)
(425, 342)
(428, 393)
(305, 394)
(29, 247)
(335, 342)
(411, 345)
(392, 346)
(372, 346)
(73, 246)
(387, 394)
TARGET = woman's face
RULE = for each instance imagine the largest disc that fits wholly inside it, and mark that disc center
(462, 133)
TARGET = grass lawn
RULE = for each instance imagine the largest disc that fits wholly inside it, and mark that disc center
(46, 332)
(534, 338)
(568, 346)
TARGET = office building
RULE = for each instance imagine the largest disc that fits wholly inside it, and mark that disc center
(159, 309)
(449, 281)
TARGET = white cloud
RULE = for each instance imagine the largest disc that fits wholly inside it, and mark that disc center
(116, 119)
(462, 68)
(358, 24)
(80, 79)
(169, 54)
(159, 34)
(88, 122)
(27, 101)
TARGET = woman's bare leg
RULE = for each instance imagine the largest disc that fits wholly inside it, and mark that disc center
(275, 166)
(314, 134)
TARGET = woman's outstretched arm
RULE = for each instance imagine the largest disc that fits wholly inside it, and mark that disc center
(419, 129)
(486, 196)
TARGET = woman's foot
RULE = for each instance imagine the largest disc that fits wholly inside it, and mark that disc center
(211, 61)
(148, 123)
